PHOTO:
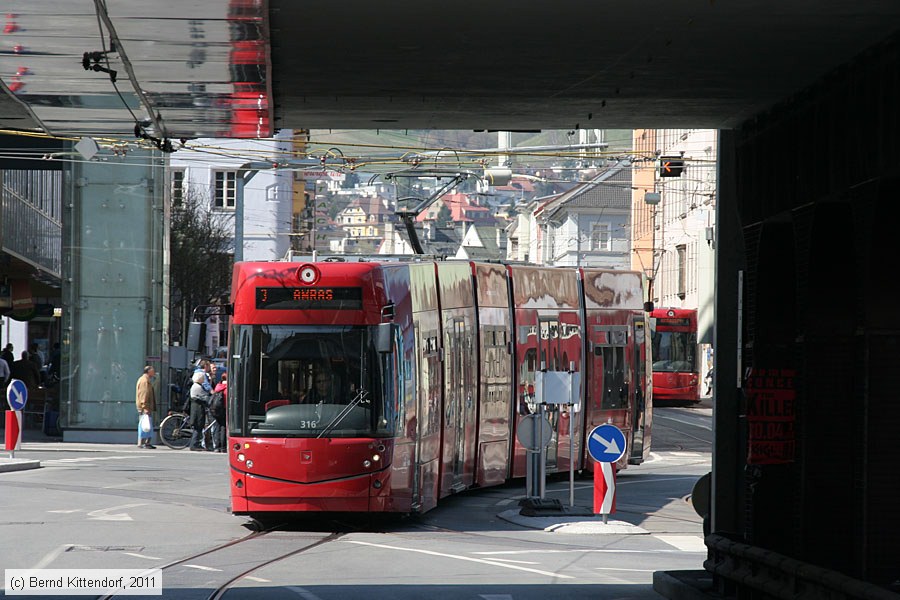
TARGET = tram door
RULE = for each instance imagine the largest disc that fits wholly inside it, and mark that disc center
(428, 416)
(639, 390)
(459, 408)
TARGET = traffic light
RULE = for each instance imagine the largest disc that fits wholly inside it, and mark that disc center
(671, 166)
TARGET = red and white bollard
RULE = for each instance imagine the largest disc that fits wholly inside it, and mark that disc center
(13, 431)
(604, 489)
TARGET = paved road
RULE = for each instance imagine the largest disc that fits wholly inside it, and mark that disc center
(104, 506)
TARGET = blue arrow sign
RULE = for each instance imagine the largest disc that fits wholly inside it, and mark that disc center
(16, 394)
(606, 443)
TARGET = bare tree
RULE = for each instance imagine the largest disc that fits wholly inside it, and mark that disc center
(200, 257)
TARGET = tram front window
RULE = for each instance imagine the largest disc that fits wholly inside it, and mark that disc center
(317, 381)
(674, 351)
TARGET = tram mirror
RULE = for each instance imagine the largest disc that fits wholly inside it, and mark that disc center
(195, 335)
(383, 337)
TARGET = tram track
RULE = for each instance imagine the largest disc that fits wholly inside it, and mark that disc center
(675, 432)
(221, 589)
(224, 588)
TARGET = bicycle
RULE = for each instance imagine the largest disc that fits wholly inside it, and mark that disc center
(175, 431)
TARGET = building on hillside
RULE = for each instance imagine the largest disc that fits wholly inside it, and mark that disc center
(463, 209)
(364, 222)
(518, 232)
(519, 189)
(588, 225)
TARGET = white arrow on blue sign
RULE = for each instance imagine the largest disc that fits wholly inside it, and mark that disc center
(606, 443)
(16, 394)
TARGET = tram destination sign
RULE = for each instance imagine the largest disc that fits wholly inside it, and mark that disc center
(309, 298)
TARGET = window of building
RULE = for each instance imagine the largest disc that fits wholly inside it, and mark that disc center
(176, 187)
(681, 251)
(226, 189)
(600, 236)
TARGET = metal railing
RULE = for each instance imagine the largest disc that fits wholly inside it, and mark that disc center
(780, 576)
(31, 205)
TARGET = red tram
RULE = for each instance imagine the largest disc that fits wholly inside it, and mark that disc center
(676, 370)
(367, 386)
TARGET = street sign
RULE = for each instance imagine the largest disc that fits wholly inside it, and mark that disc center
(606, 443)
(604, 489)
(16, 394)
(534, 432)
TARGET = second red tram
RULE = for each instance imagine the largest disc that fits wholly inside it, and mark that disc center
(676, 369)
(367, 386)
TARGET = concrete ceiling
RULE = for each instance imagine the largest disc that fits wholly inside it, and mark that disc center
(486, 65)
(513, 65)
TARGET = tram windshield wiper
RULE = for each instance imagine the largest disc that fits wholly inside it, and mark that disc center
(346, 411)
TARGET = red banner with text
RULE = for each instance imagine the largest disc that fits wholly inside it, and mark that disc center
(771, 398)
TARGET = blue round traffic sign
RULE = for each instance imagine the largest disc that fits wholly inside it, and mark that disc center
(16, 394)
(606, 443)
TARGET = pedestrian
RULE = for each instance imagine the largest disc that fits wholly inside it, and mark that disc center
(7, 354)
(217, 412)
(27, 371)
(145, 401)
(204, 366)
(40, 361)
(4, 375)
(55, 358)
(199, 405)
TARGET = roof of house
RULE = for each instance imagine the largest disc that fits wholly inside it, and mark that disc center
(480, 243)
(610, 189)
(444, 241)
(516, 184)
(371, 205)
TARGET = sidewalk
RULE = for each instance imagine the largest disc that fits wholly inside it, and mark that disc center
(35, 440)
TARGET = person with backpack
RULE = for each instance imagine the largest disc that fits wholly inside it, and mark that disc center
(199, 404)
(217, 404)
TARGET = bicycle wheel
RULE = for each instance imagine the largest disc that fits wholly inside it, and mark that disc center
(175, 431)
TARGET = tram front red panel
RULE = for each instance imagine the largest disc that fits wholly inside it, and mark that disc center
(310, 474)
(676, 386)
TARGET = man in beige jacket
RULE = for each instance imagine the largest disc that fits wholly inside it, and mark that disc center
(145, 400)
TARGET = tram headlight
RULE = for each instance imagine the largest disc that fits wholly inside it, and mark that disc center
(249, 464)
(376, 457)
(367, 463)
(308, 274)
(241, 457)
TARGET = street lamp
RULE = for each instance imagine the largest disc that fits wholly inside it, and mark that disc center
(652, 199)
